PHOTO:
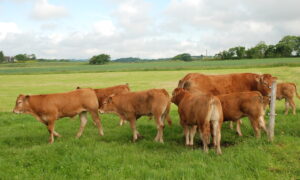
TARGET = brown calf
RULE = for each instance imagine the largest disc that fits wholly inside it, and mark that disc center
(199, 111)
(103, 93)
(244, 104)
(132, 105)
(47, 108)
(287, 91)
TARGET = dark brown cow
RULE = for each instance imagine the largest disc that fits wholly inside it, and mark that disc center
(287, 91)
(227, 83)
(199, 111)
(47, 108)
(132, 105)
(244, 104)
(103, 93)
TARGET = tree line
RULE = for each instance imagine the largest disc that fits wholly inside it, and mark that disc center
(288, 46)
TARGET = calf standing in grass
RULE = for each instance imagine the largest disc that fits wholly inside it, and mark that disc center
(199, 111)
(287, 91)
(103, 93)
(244, 104)
(47, 108)
(132, 105)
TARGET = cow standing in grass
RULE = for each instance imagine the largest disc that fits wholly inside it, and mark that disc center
(132, 105)
(47, 108)
(103, 93)
(287, 91)
(199, 111)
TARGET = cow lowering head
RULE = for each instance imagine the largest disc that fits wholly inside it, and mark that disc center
(177, 95)
(264, 83)
(22, 105)
(107, 105)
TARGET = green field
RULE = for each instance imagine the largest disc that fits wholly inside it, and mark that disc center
(26, 154)
(84, 67)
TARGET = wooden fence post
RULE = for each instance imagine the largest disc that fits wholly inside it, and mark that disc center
(272, 113)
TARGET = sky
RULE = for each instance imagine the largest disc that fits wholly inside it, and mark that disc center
(80, 29)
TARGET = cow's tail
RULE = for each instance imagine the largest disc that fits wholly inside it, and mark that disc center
(166, 114)
(296, 90)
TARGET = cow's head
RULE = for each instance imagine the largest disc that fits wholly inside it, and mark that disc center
(107, 105)
(264, 83)
(177, 95)
(22, 104)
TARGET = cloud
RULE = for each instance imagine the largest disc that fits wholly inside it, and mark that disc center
(8, 28)
(105, 28)
(44, 11)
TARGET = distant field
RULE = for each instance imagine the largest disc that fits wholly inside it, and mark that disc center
(25, 153)
(81, 67)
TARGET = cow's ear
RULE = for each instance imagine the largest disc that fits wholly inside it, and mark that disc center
(78, 87)
(186, 85)
(109, 99)
(26, 97)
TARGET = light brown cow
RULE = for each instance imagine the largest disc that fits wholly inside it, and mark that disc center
(132, 105)
(199, 111)
(244, 104)
(287, 91)
(103, 93)
(47, 108)
(227, 83)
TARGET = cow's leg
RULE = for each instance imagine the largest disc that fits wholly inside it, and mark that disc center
(262, 124)
(231, 124)
(255, 125)
(160, 128)
(287, 106)
(216, 136)
(192, 134)
(186, 132)
(292, 104)
(56, 134)
(83, 121)
(96, 119)
(205, 135)
(134, 131)
(51, 130)
(238, 127)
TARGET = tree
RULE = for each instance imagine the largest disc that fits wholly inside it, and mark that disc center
(271, 51)
(100, 59)
(21, 57)
(183, 57)
(2, 59)
(257, 51)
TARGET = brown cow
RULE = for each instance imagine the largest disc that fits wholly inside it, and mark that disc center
(227, 83)
(244, 104)
(103, 93)
(132, 105)
(47, 108)
(199, 111)
(287, 91)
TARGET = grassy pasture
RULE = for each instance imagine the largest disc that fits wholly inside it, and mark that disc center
(83, 67)
(25, 154)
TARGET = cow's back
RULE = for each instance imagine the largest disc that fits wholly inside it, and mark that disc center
(103, 93)
(219, 84)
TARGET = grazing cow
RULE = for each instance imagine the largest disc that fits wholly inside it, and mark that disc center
(132, 105)
(47, 108)
(227, 83)
(199, 111)
(244, 104)
(287, 91)
(103, 93)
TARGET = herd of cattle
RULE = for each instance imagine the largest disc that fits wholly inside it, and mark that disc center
(204, 102)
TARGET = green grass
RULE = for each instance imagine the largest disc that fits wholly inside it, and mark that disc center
(83, 67)
(25, 153)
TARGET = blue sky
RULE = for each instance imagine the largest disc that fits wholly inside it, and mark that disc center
(141, 28)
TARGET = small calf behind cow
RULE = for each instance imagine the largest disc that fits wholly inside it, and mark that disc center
(287, 91)
(199, 111)
(47, 108)
(132, 105)
(245, 104)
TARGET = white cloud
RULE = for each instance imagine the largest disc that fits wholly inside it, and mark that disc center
(7, 28)
(44, 11)
(105, 28)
